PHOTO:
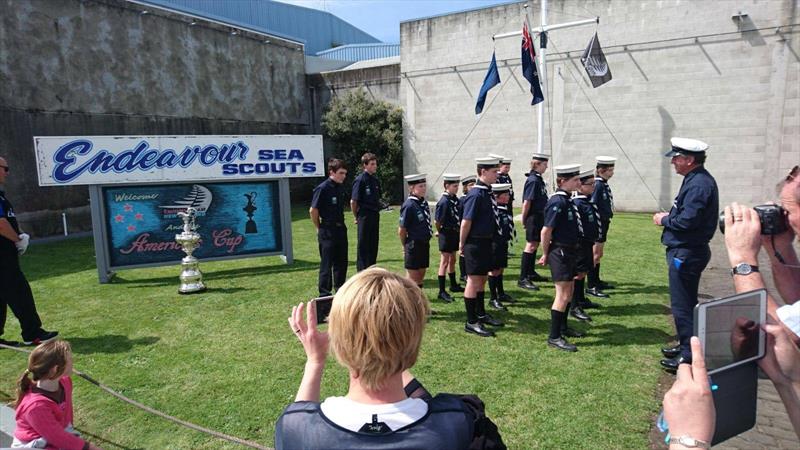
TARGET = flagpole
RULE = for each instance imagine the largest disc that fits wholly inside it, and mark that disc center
(543, 78)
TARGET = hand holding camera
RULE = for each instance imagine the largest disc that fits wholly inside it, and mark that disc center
(22, 243)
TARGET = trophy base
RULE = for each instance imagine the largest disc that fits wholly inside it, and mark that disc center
(191, 289)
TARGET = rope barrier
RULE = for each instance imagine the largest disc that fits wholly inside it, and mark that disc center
(154, 411)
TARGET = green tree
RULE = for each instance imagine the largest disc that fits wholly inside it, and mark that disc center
(357, 124)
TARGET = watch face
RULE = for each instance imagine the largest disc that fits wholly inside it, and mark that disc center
(743, 269)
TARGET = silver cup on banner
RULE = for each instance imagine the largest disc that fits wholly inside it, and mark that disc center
(191, 277)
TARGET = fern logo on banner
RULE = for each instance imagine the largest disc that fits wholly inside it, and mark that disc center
(594, 61)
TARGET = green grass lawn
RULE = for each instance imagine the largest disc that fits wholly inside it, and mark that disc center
(226, 359)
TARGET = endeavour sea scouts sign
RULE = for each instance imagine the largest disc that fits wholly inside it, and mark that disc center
(238, 186)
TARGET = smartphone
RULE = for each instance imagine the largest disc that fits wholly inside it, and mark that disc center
(323, 306)
(730, 330)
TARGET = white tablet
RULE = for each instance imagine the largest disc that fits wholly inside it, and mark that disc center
(730, 329)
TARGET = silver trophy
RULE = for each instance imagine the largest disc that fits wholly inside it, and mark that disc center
(191, 278)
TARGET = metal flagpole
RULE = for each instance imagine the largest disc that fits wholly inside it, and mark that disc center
(542, 30)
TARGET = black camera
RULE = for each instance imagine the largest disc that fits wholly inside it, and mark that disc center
(772, 218)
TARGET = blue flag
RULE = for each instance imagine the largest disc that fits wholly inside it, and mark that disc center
(529, 65)
(492, 79)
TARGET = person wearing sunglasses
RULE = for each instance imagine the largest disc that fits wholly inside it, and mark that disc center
(15, 292)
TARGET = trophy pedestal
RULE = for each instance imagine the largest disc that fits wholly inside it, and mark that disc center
(191, 277)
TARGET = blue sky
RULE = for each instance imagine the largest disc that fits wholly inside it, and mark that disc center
(381, 18)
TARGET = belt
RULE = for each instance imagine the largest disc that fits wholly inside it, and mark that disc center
(563, 244)
(331, 225)
(479, 238)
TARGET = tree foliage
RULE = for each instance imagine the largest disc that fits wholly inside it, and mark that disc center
(357, 124)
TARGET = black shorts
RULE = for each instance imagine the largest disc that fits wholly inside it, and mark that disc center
(533, 227)
(604, 224)
(499, 254)
(562, 262)
(417, 254)
(478, 256)
(585, 260)
(448, 241)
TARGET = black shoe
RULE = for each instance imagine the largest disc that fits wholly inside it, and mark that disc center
(562, 344)
(596, 292)
(505, 298)
(478, 329)
(43, 336)
(444, 296)
(569, 332)
(536, 277)
(456, 288)
(496, 304)
(672, 364)
(578, 313)
(603, 285)
(9, 343)
(463, 278)
(527, 284)
(588, 304)
(671, 352)
(489, 320)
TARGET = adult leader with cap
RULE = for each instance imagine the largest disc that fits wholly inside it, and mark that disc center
(479, 224)
(415, 228)
(688, 228)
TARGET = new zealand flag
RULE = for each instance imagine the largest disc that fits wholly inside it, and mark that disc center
(529, 65)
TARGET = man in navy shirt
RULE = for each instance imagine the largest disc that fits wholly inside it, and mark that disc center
(688, 228)
(327, 215)
(448, 226)
(560, 242)
(15, 292)
(479, 225)
(534, 198)
(365, 204)
(415, 229)
(604, 201)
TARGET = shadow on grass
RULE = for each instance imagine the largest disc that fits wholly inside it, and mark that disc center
(109, 343)
(106, 443)
(514, 322)
(638, 309)
(297, 266)
(613, 334)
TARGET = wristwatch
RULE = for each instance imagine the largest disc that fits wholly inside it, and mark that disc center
(688, 441)
(743, 269)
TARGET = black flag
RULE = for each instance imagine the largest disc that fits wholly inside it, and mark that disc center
(595, 63)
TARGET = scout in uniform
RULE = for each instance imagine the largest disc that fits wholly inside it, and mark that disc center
(590, 219)
(560, 240)
(415, 229)
(366, 205)
(327, 215)
(448, 226)
(604, 201)
(688, 228)
(504, 177)
(502, 195)
(534, 199)
(467, 183)
(479, 224)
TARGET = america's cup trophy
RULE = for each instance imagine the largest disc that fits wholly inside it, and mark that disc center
(191, 278)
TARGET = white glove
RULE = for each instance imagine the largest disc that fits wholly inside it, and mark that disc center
(22, 244)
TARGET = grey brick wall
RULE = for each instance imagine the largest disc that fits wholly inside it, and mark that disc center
(736, 90)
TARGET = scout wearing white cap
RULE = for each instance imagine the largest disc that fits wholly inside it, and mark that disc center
(487, 162)
(541, 156)
(416, 178)
(468, 179)
(605, 161)
(503, 159)
(450, 178)
(500, 188)
(685, 146)
(568, 170)
(586, 174)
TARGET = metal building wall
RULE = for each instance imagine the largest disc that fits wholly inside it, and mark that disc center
(361, 52)
(319, 29)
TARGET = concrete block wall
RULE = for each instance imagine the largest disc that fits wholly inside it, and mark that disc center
(735, 89)
(100, 67)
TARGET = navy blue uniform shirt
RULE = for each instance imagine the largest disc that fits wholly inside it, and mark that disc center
(448, 214)
(7, 247)
(328, 198)
(561, 216)
(479, 209)
(535, 191)
(603, 199)
(693, 218)
(414, 217)
(503, 178)
(367, 192)
(590, 217)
